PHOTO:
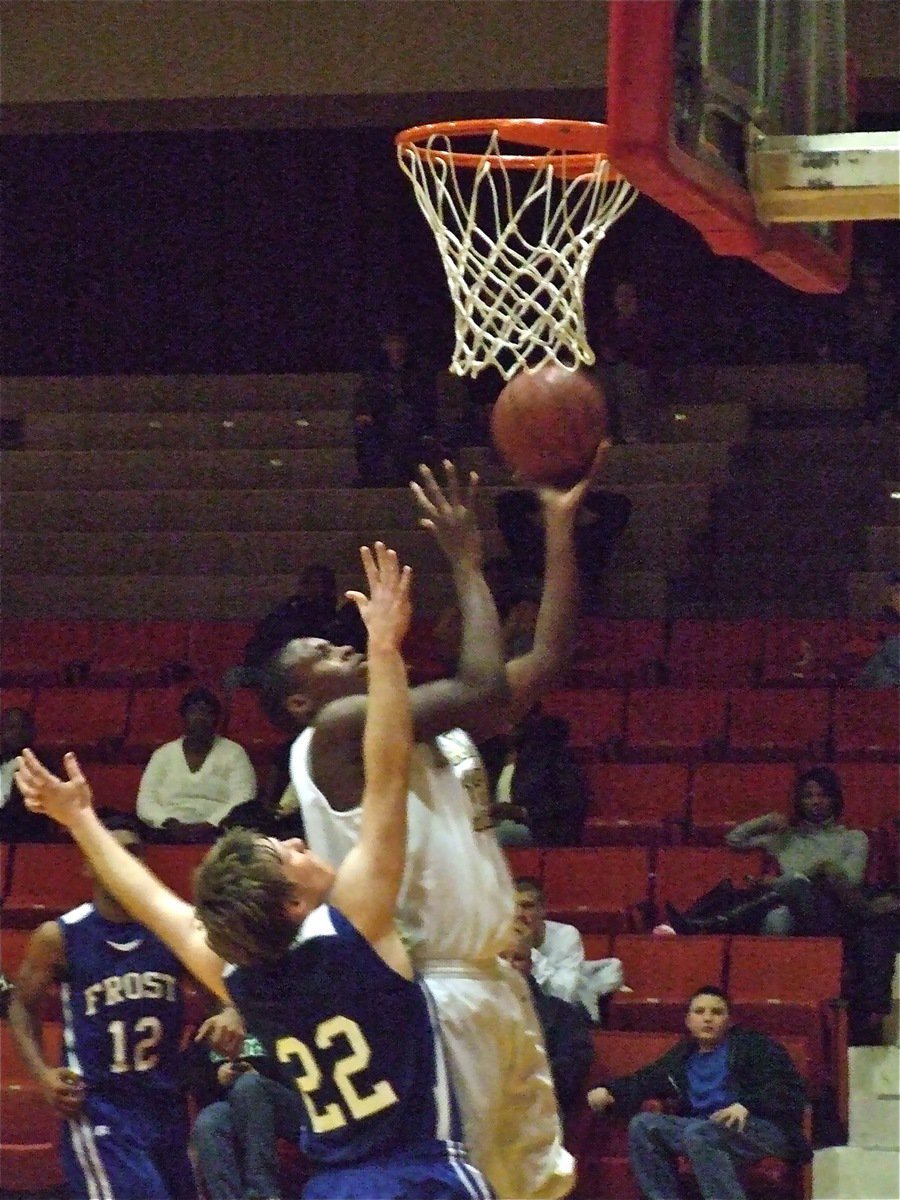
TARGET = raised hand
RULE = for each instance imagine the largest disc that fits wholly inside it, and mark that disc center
(569, 501)
(449, 515)
(386, 611)
(224, 1031)
(44, 792)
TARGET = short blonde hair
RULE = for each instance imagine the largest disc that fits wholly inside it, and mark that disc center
(241, 893)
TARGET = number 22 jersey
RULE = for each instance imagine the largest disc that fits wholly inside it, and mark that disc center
(358, 1040)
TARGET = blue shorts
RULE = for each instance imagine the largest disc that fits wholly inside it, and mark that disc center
(109, 1153)
(402, 1177)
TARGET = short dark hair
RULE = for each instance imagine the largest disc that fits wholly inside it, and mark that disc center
(709, 989)
(240, 893)
(273, 686)
(828, 782)
(529, 883)
(200, 695)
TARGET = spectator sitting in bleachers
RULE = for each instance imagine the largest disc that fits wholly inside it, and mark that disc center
(244, 1109)
(567, 1031)
(793, 902)
(557, 958)
(882, 668)
(737, 1097)
(17, 824)
(191, 784)
(314, 610)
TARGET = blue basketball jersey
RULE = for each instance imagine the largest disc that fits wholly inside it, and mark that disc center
(122, 1009)
(358, 1040)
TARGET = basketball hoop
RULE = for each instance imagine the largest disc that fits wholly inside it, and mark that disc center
(516, 232)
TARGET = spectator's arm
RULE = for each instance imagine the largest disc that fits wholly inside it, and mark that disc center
(757, 833)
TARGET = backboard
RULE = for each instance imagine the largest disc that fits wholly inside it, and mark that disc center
(689, 84)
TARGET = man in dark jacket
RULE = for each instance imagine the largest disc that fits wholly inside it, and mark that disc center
(566, 1026)
(739, 1098)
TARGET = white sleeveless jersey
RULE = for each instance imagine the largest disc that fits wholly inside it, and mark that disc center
(457, 899)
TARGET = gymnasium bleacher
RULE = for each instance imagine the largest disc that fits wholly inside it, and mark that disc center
(152, 566)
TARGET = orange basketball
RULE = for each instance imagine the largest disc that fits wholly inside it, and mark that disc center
(547, 424)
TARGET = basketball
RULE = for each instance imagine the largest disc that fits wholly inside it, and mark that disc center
(547, 424)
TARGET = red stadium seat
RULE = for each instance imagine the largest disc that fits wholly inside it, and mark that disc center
(17, 697)
(597, 946)
(791, 986)
(175, 866)
(779, 723)
(661, 973)
(525, 860)
(867, 724)
(47, 880)
(674, 723)
(153, 719)
(115, 785)
(88, 720)
(6, 857)
(613, 653)
(871, 793)
(29, 1129)
(595, 718)
(600, 1143)
(599, 890)
(214, 646)
(724, 794)
(685, 873)
(805, 652)
(634, 803)
(141, 651)
(715, 653)
(247, 724)
(41, 650)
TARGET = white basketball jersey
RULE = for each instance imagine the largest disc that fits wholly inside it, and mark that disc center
(457, 898)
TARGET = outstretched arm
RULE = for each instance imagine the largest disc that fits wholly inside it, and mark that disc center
(369, 879)
(533, 673)
(476, 695)
(146, 898)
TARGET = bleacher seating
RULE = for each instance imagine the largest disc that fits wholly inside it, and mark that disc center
(779, 723)
(598, 890)
(47, 880)
(635, 803)
(675, 724)
(866, 725)
(29, 1129)
(90, 721)
(140, 651)
(724, 794)
(596, 718)
(660, 973)
(615, 653)
(792, 987)
(685, 873)
(715, 653)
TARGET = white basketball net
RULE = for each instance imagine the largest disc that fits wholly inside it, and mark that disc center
(518, 296)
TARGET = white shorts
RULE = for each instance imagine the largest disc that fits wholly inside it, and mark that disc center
(502, 1079)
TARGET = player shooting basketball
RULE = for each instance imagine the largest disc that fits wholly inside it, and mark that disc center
(457, 903)
(318, 969)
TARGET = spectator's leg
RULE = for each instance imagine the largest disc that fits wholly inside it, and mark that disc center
(654, 1142)
(214, 1151)
(263, 1111)
(715, 1152)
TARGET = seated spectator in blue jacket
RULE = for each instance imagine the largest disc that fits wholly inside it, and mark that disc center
(737, 1098)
